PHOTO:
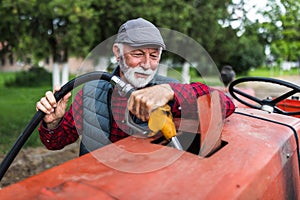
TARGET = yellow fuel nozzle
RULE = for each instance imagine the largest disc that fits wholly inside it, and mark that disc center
(161, 120)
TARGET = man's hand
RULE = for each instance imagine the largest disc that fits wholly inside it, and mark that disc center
(54, 110)
(143, 101)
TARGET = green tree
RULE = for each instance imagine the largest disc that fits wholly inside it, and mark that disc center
(249, 54)
(282, 31)
(249, 50)
(11, 28)
(50, 27)
(60, 28)
(290, 32)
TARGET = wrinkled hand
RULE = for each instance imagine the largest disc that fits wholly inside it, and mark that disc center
(143, 101)
(54, 110)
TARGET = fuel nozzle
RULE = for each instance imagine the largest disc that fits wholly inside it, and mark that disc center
(160, 119)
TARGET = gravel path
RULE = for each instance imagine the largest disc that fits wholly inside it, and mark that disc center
(31, 161)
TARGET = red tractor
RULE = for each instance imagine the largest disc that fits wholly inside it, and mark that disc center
(253, 154)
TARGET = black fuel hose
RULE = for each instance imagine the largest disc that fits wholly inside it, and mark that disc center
(36, 119)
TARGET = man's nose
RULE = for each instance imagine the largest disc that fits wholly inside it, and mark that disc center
(146, 62)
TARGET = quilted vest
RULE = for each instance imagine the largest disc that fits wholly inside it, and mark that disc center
(97, 116)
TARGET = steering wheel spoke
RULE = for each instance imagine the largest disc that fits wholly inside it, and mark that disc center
(253, 98)
(284, 96)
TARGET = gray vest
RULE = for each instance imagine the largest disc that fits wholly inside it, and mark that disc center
(97, 116)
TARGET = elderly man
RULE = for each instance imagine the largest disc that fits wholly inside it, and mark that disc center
(138, 49)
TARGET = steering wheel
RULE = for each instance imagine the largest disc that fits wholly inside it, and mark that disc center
(268, 104)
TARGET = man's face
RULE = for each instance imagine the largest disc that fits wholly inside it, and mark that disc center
(139, 65)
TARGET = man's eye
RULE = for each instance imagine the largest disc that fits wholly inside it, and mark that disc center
(137, 54)
(154, 56)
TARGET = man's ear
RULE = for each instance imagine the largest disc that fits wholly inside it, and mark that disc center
(116, 51)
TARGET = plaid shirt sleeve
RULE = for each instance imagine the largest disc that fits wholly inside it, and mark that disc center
(186, 95)
(66, 132)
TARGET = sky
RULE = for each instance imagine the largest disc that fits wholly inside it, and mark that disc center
(257, 5)
(251, 7)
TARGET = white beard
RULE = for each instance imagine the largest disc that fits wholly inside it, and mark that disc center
(129, 74)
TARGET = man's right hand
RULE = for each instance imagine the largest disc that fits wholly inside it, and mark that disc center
(54, 110)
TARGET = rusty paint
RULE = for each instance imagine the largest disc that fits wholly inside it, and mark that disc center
(260, 165)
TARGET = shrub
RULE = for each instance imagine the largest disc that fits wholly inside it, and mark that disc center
(35, 76)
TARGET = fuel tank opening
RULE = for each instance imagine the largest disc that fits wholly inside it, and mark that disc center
(189, 141)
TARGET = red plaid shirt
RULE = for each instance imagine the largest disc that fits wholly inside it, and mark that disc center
(71, 125)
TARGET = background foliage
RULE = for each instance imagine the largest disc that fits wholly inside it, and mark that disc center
(34, 77)
(33, 30)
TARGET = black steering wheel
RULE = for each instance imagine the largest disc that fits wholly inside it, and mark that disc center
(268, 104)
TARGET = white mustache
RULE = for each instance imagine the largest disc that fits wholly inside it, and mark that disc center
(140, 70)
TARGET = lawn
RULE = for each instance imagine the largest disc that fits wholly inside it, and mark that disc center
(273, 72)
(17, 108)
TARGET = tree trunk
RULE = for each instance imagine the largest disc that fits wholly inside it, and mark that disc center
(163, 68)
(55, 75)
(65, 73)
(185, 76)
(102, 63)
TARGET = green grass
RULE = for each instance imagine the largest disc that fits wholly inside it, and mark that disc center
(274, 72)
(17, 108)
(6, 76)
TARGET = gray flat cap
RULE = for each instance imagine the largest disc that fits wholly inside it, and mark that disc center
(139, 32)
